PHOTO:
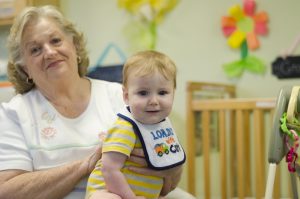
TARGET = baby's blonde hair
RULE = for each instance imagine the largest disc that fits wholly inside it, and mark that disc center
(148, 62)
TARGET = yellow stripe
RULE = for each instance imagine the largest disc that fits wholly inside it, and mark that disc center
(97, 173)
(90, 190)
(128, 163)
(126, 171)
(115, 149)
(96, 181)
(122, 132)
(117, 140)
(123, 122)
(138, 144)
(145, 184)
(147, 195)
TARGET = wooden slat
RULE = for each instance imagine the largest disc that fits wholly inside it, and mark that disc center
(247, 157)
(206, 86)
(190, 146)
(259, 153)
(223, 159)
(240, 154)
(206, 151)
(232, 154)
(232, 104)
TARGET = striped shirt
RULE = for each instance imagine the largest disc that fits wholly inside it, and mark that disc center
(121, 138)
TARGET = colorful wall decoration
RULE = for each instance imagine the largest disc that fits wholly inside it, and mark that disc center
(241, 27)
(146, 15)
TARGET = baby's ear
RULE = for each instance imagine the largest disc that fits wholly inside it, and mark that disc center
(125, 95)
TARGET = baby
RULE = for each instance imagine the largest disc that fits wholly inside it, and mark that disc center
(149, 82)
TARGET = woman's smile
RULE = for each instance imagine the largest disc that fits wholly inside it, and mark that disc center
(53, 64)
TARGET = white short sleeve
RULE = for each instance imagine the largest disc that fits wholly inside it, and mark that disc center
(14, 153)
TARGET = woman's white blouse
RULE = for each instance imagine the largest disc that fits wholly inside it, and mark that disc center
(34, 136)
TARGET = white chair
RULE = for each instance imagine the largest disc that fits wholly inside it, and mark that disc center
(288, 101)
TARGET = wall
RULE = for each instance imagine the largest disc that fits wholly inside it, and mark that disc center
(191, 35)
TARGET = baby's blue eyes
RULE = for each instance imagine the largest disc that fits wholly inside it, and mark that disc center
(144, 93)
(162, 92)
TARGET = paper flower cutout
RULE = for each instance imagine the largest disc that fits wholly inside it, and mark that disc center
(242, 27)
(146, 16)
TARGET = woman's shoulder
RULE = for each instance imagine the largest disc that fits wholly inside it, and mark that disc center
(20, 102)
(14, 102)
(16, 107)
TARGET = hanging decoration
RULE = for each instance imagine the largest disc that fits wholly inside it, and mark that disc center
(146, 15)
(241, 27)
(290, 128)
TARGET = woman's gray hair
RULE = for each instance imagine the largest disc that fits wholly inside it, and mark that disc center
(16, 75)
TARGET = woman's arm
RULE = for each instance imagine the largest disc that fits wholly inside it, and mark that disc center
(171, 176)
(171, 181)
(47, 184)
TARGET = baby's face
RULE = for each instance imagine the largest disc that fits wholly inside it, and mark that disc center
(149, 97)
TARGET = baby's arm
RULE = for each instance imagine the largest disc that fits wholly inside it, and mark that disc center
(112, 163)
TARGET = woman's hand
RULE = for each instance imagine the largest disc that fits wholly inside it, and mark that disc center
(89, 163)
(171, 176)
(171, 180)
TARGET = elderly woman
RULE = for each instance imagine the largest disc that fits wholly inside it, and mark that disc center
(49, 130)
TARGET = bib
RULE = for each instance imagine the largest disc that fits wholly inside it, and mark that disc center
(160, 144)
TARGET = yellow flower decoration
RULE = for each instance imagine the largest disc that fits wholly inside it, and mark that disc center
(242, 27)
(147, 14)
(131, 6)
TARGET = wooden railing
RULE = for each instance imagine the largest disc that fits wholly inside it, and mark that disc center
(237, 122)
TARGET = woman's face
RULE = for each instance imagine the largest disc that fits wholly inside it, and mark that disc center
(48, 54)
